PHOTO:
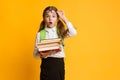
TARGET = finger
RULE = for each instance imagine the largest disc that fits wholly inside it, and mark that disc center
(60, 12)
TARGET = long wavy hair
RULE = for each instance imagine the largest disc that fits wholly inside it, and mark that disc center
(61, 31)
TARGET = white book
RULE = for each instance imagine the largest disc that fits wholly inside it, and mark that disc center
(47, 45)
(49, 48)
(50, 41)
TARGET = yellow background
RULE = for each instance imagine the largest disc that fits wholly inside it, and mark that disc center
(93, 54)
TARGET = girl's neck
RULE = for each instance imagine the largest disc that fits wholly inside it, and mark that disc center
(51, 27)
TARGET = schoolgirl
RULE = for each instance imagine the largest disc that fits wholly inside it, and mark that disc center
(54, 22)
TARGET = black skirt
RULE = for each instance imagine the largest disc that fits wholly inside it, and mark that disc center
(52, 69)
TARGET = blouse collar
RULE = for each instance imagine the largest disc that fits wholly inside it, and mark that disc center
(50, 29)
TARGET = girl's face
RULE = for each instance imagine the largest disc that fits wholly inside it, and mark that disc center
(50, 18)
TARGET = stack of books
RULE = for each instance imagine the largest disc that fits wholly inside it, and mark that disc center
(49, 44)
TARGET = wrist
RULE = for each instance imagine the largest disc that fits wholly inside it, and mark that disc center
(65, 20)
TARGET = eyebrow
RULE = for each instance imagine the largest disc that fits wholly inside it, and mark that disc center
(52, 14)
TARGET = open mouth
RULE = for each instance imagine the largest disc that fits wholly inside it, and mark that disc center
(50, 22)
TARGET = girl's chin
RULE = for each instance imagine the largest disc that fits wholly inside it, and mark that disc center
(50, 26)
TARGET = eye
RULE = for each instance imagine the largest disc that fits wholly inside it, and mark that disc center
(46, 16)
(53, 16)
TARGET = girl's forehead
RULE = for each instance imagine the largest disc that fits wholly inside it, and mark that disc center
(50, 11)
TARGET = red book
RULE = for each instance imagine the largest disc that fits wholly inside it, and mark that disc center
(57, 50)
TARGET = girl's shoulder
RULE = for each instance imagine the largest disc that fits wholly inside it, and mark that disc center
(41, 34)
(38, 34)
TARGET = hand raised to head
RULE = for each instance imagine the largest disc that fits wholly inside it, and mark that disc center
(62, 15)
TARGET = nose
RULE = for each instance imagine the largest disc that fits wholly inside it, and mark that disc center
(50, 18)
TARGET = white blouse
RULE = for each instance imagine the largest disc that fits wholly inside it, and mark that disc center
(51, 33)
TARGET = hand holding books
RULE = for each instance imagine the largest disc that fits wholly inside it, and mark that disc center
(49, 46)
(43, 55)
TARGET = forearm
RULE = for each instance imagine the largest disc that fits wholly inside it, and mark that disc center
(45, 54)
(71, 30)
